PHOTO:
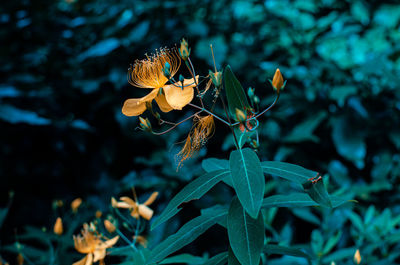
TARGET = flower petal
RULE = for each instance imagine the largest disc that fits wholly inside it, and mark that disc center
(163, 104)
(129, 201)
(87, 260)
(136, 106)
(99, 253)
(111, 242)
(151, 199)
(177, 97)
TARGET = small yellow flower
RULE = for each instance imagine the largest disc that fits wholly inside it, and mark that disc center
(357, 257)
(75, 204)
(110, 227)
(148, 73)
(137, 209)
(92, 244)
(278, 82)
(58, 227)
(203, 128)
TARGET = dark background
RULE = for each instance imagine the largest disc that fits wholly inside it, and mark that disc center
(63, 82)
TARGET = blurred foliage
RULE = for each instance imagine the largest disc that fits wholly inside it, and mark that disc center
(63, 82)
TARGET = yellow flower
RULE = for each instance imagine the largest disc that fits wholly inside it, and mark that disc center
(203, 128)
(58, 227)
(135, 207)
(75, 204)
(92, 244)
(148, 73)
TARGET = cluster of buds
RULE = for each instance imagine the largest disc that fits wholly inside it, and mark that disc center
(253, 98)
(184, 50)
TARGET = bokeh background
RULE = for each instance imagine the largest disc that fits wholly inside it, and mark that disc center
(63, 82)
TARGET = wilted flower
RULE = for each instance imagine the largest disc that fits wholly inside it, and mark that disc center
(58, 227)
(137, 209)
(150, 73)
(75, 204)
(92, 244)
(141, 240)
(203, 128)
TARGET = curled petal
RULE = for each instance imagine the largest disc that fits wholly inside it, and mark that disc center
(177, 97)
(163, 104)
(151, 199)
(136, 106)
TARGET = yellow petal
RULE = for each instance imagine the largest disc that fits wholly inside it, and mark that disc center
(111, 242)
(58, 226)
(99, 254)
(163, 104)
(129, 201)
(145, 212)
(177, 97)
(151, 199)
(136, 106)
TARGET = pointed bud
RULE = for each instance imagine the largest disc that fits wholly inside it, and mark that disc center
(167, 70)
(240, 116)
(277, 82)
(181, 79)
(216, 78)
(256, 100)
(250, 92)
(184, 50)
(145, 124)
(75, 204)
(110, 227)
(58, 227)
(357, 257)
(98, 214)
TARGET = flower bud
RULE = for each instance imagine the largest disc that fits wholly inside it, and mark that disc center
(181, 79)
(216, 78)
(20, 259)
(145, 124)
(184, 50)
(240, 116)
(256, 100)
(167, 70)
(98, 214)
(250, 92)
(75, 204)
(58, 227)
(110, 227)
(357, 257)
(277, 82)
(114, 202)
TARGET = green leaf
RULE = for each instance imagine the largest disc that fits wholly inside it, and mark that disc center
(297, 200)
(331, 243)
(246, 235)
(212, 164)
(232, 260)
(304, 131)
(301, 176)
(183, 258)
(188, 232)
(318, 192)
(248, 179)
(234, 92)
(219, 259)
(193, 191)
(282, 250)
(288, 171)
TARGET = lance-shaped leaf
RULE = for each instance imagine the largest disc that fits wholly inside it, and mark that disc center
(188, 232)
(246, 234)
(212, 164)
(282, 250)
(219, 259)
(183, 258)
(247, 179)
(234, 92)
(298, 200)
(232, 260)
(307, 178)
(194, 190)
(318, 192)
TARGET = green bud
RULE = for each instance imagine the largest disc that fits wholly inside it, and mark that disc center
(184, 50)
(145, 124)
(216, 78)
(250, 92)
(256, 100)
(240, 116)
(167, 70)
